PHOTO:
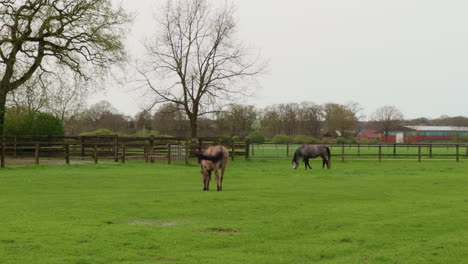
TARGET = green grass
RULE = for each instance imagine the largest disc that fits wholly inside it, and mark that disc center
(357, 212)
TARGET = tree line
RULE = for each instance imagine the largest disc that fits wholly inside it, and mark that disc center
(306, 121)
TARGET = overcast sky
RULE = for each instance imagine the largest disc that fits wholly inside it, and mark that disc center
(412, 54)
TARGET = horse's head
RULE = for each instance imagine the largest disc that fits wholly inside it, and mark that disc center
(295, 162)
(295, 165)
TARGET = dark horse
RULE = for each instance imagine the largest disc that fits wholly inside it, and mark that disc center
(312, 151)
(214, 158)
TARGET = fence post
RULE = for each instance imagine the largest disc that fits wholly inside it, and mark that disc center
(95, 154)
(233, 150)
(458, 152)
(359, 150)
(14, 146)
(151, 150)
(145, 153)
(200, 144)
(430, 151)
(124, 149)
(380, 153)
(342, 152)
(287, 149)
(82, 147)
(419, 152)
(116, 148)
(168, 153)
(36, 154)
(67, 153)
(247, 150)
(187, 152)
(394, 149)
(2, 154)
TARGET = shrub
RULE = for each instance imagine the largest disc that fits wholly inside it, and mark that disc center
(35, 123)
(146, 133)
(281, 139)
(99, 132)
(256, 137)
(301, 139)
(340, 140)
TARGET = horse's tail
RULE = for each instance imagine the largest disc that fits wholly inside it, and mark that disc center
(329, 156)
(214, 158)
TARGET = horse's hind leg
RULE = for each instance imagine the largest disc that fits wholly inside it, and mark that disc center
(307, 164)
(218, 180)
(325, 162)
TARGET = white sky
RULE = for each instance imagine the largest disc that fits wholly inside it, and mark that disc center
(412, 54)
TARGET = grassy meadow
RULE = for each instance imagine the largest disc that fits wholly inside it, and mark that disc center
(357, 212)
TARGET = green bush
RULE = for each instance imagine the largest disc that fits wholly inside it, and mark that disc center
(146, 133)
(256, 137)
(99, 132)
(35, 123)
(340, 140)
(281, 139)
(301, 139)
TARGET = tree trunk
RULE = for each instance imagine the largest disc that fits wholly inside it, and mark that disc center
(193, 127)
(2, 114)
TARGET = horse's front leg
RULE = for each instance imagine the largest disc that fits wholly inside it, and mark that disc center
(206, 180)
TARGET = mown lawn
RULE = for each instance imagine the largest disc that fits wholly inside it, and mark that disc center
(357, 212)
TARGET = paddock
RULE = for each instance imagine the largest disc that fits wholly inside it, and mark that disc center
(358, 212)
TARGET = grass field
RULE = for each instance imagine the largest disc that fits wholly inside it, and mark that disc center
(357, 212)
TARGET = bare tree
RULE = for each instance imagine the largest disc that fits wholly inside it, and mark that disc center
(198, 59)
(237, 120)
(170, 120)
(386, 119)
(62, 94)
(38, 35)
(32, 95)
(311, 118)
(341, 119)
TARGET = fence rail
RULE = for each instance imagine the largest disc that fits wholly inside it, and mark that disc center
(114, 148)
(379, 152)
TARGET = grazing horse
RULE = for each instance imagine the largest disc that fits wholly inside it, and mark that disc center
(214, 158)
(312, 151)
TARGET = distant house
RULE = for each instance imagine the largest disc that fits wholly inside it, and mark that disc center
(367, 134)
(414, 134)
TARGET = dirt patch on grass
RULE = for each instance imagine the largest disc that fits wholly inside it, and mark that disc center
(163, 260)
(23, 162)
(152, 223)
(220, 230)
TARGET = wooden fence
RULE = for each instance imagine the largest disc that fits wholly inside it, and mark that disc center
(379, 152)
(112, 148)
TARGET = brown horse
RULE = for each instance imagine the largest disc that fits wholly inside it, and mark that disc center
(214, 158)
